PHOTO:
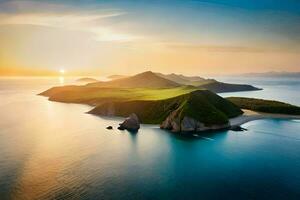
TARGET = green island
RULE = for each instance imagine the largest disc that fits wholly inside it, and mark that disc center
(178, 103)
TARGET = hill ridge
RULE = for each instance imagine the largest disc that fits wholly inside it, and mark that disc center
(149, 79)
(146, 79)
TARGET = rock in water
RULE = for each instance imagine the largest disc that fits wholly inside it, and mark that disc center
(131, 123)
(109, 127)
(121, 128)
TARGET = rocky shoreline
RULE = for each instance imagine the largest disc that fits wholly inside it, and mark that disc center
(188, 124)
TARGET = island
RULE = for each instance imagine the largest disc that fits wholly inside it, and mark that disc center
(86, 80)
(176, 102)
(116, 76)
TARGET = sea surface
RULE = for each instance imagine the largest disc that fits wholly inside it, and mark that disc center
(51, 150)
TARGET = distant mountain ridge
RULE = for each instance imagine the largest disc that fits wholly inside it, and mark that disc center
(113, 77)
(179, 78)
(158, 80)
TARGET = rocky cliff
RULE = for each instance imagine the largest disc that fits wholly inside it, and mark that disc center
(175, 124)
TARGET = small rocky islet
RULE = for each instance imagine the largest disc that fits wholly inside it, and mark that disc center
(131, 123)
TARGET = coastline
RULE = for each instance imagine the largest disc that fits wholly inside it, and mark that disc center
(250, 115)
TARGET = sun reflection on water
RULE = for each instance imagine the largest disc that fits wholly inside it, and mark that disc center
(62, 80)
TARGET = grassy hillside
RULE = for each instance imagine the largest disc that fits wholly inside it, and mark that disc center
(143, 80)
(201, 105)
(266, 106)
(96, 95)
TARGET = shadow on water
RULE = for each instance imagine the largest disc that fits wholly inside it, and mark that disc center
(133, 135)
(132, 132)
(195, 136)
(111, 118)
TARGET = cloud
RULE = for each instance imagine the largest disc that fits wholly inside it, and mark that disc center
(52, 20)
(66, 17)
(44, 6)
(214, 48)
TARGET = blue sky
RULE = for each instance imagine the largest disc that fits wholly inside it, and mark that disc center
(203, 34)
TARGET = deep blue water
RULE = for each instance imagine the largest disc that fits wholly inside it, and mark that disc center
(51, 150)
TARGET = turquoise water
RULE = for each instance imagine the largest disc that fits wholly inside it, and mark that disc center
(53, 150)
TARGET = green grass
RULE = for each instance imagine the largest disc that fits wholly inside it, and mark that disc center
(96, 95)
(266, 106)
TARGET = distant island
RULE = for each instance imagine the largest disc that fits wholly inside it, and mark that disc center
(86, 80)
(112, 77)
(178, 103)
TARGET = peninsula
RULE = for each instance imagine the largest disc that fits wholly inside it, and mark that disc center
(178, 103)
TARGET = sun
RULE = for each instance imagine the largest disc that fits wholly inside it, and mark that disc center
(62, 71)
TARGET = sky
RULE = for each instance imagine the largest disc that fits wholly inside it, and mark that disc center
(193, 37)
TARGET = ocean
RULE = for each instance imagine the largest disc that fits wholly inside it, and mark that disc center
(51, 150)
